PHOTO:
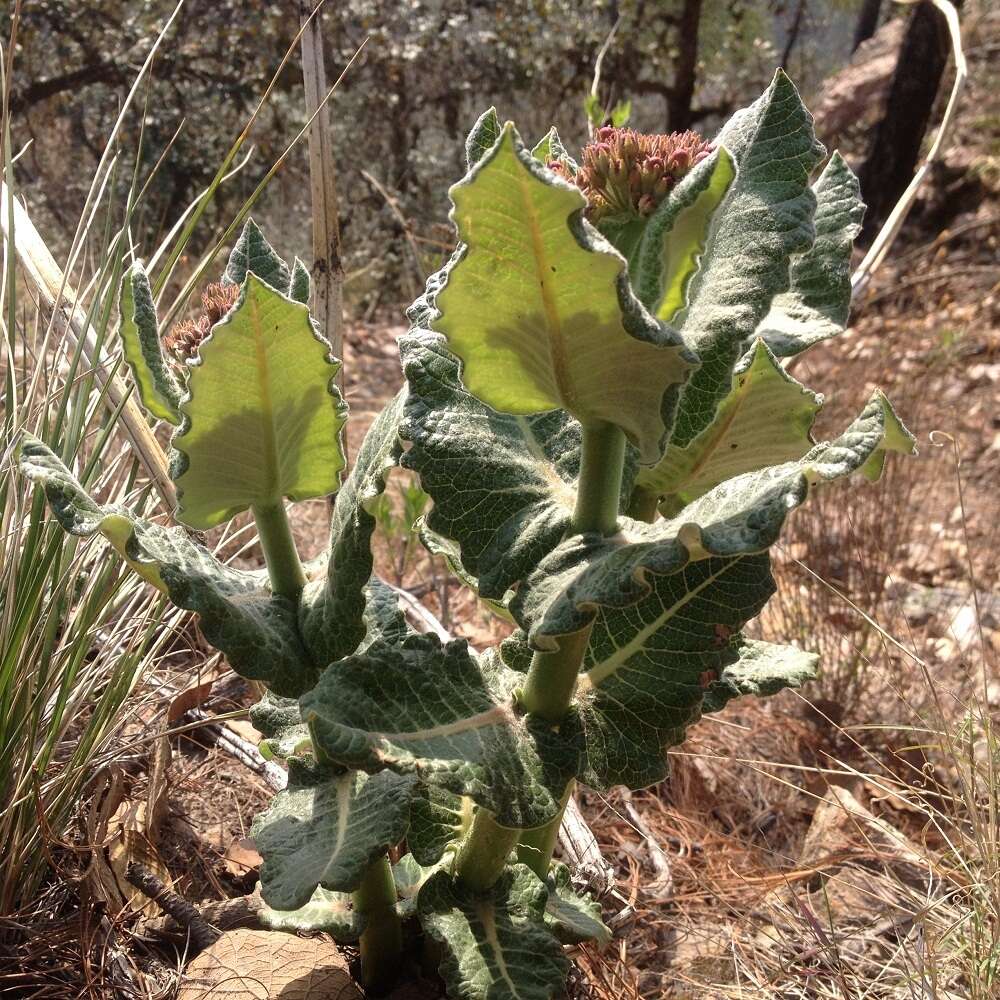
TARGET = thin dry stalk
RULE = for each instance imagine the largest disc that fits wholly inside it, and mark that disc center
(327, 267)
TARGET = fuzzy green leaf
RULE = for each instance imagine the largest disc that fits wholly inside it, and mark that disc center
(503, 486)
(817, 304)
(159, 391)
(253, 253)
(239, 616)
(441, 713)
(264, 415)
(550, 147)
(409, 876)
(438, 818)
(666, 601)
(538, 306)
(765, 217)
(329, 912)
(574, 918)
(325, 829)
(764, 420)
(280, 721)
(331, 615)
(644, 685)
(674, 237)
(763, 668)
(483, 137)
(495, 944)
(300, 283)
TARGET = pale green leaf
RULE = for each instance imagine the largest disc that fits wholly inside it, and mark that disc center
(257, 631)
(764, 420)
(441, 713)
(159, 390)
(329, 912)
(675, 235)
(573, 917)
(299, 285)
(550, 147)
(621, 113)
(483, 137)
(494, 945)
(539, 308)
(325, 830)
(765, 218)
(817, 304)
(265, 416)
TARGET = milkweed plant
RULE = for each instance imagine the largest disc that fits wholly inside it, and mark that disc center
(597, 404)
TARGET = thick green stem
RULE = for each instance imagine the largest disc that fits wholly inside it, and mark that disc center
(484, 852)
(552, 677)
(283, 566)
(599, 490)
(537, 846)
(643, 504)
(382, 938)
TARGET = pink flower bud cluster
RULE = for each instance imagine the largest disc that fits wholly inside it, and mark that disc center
(184, 339)
(627, 174)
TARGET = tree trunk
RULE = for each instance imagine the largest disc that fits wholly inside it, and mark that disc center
(793, 33)
(867, 22)
(895, 146)
(682, 92)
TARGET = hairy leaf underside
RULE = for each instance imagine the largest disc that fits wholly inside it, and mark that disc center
(254, 434)
(538, 305)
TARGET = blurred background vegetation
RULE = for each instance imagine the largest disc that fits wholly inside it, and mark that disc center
(400, 116)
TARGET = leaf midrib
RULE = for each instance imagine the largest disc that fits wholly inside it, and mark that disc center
(487, 918)
(610, 666)
(269, 437)
(496, 714)
(556, 339)
(345, 786)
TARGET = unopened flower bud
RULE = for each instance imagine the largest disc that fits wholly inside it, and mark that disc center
(185, 338)
(626, 173)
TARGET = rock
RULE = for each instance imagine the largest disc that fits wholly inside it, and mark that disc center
(267, 965)
(843, 829)
(869, 867)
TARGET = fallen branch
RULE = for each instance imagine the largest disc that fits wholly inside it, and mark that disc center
(184, 913)
(662, 889)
